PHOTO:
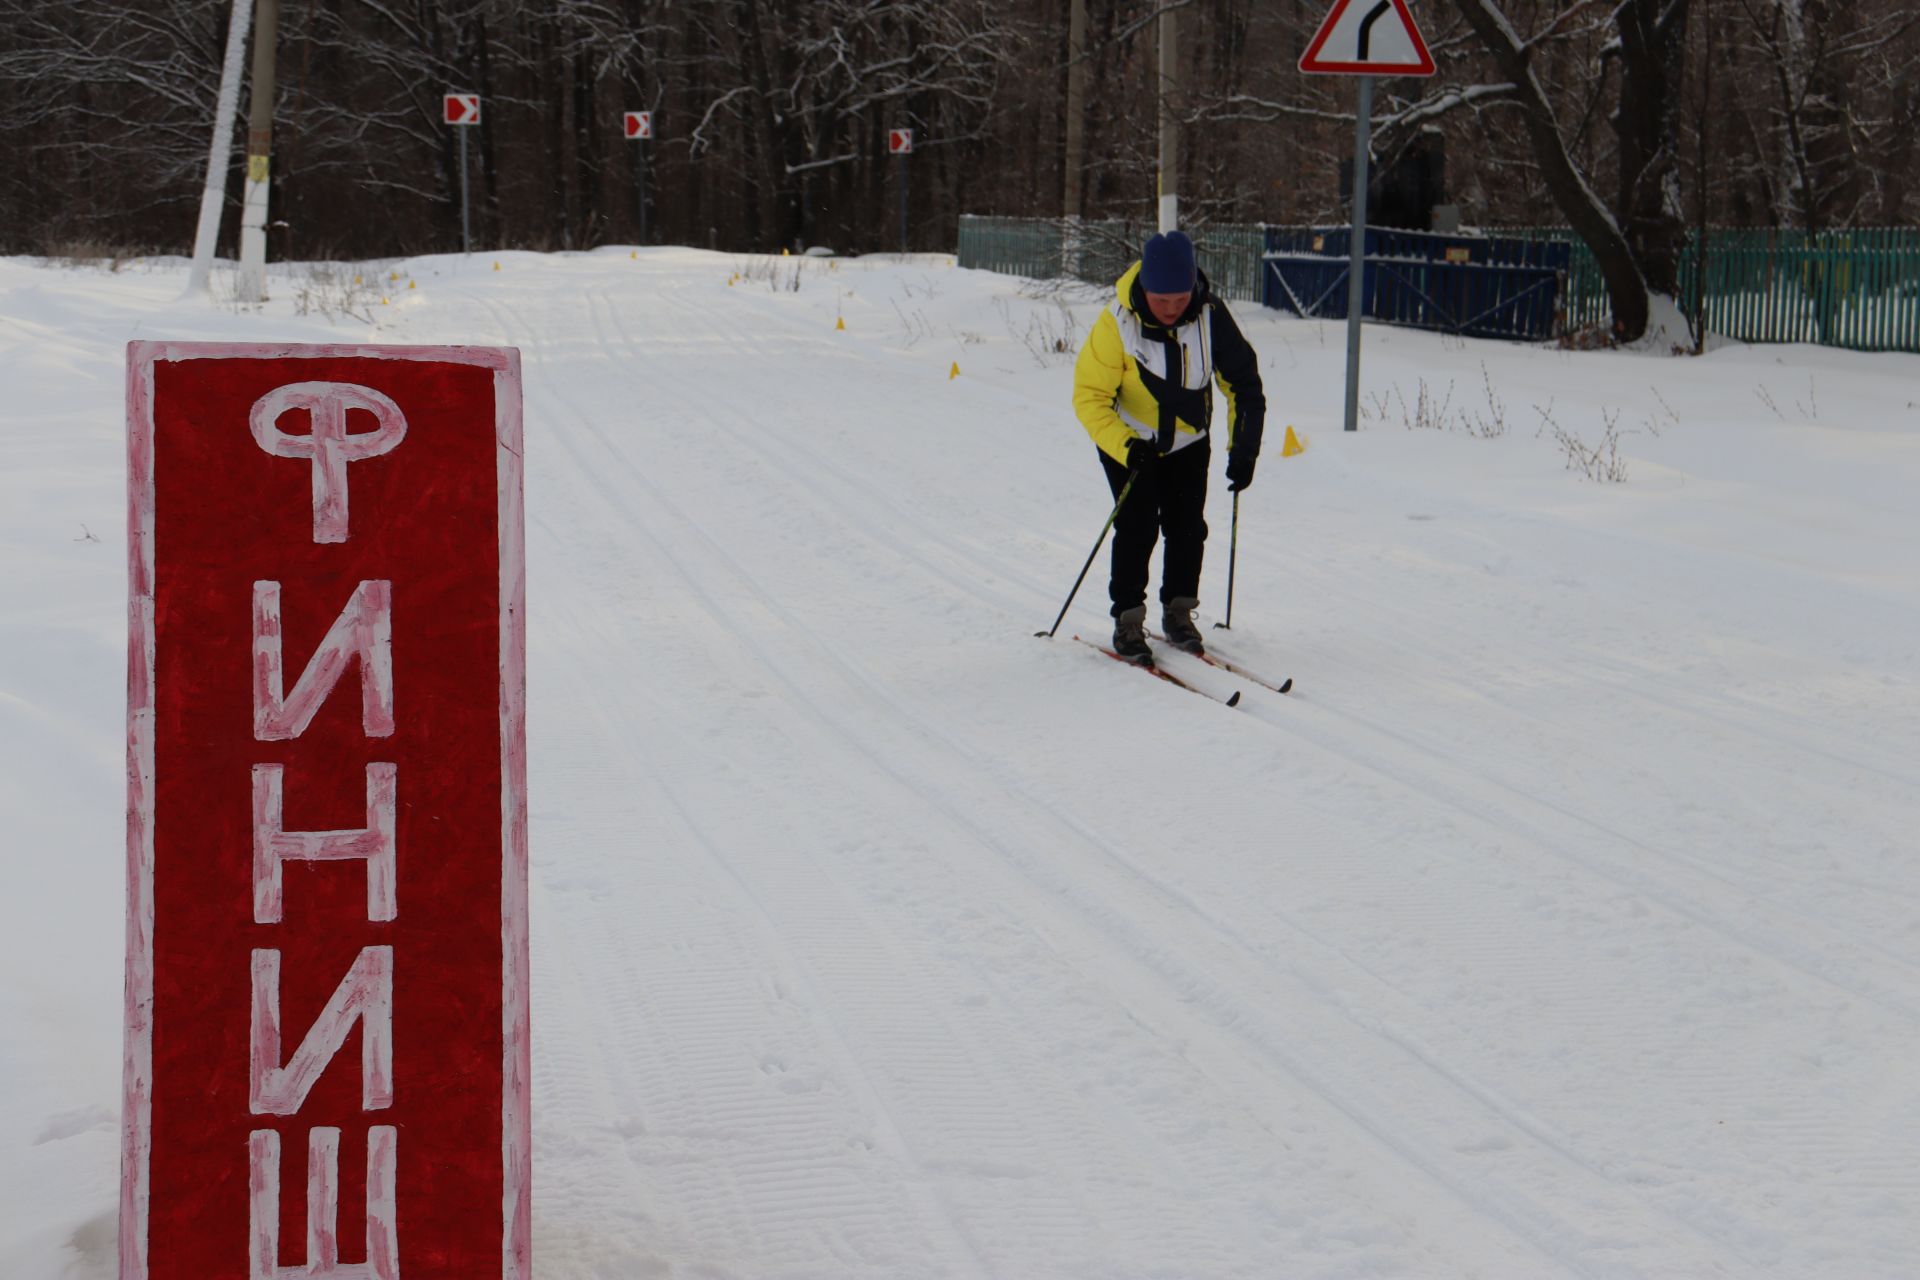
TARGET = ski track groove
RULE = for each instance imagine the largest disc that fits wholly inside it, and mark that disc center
(1416, 754)
(1539, 1233)
(1577, 669)
(1100, 917)
(774, 939)
(1739, 715)
(815, 464)
(1684, 904)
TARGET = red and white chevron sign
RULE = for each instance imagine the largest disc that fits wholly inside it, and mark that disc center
(1368, 38)
(461, 108)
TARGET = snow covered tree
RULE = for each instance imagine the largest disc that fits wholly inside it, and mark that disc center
(771, 117)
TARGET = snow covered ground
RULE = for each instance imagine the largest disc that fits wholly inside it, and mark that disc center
(1564, 922)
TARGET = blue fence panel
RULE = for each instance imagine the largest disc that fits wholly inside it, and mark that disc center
(1474, 299)
(1307, 285)
(1428, 246)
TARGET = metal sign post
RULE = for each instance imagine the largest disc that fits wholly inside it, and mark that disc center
(900, 143)
(1354, 41)
(463, 109)
(638, 127)
(466, 218)
(1357, 249)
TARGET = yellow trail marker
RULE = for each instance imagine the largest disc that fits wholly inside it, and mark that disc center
(496, 266)
(413, 284)
(840, 324)
(1293, 445)
(383, 302)
(953, 372)
(356, 279)
(634, 254)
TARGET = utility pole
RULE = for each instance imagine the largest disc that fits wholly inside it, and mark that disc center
(1169, 130)
(253, 217)
(220, 151)
(1076, 140)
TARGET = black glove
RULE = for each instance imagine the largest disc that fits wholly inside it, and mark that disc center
(1142, 454)
(1239, 469)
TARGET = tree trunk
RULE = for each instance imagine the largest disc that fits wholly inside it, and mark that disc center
(1626, 285)
(1645, 125)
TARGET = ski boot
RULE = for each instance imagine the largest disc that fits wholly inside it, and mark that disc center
(1176, 624)
(1130, 635)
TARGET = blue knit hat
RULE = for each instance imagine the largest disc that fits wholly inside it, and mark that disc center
(1166, 265)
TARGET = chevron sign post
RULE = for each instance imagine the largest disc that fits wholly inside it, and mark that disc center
(1364, 38)
(462, 110)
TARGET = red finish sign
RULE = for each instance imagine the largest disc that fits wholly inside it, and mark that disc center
(327, 1020)
(461, 108)
(899, 142)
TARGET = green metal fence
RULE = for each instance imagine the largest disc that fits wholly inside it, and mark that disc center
(1858, 289)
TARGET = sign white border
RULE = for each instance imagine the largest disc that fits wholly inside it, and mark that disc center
(516, 1110)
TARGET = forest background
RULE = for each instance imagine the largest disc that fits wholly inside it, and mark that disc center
(771, 118)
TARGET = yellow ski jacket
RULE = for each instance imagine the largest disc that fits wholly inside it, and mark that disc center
(1137, 378)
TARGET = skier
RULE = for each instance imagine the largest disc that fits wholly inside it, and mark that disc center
(1140, 387)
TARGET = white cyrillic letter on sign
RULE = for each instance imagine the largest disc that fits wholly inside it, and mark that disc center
(323, 1207)
(364, 628)
(327, 446)
(366, 993)
(273, 844)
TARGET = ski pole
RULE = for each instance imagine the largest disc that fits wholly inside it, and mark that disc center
(1114, 515)
(1233, 549)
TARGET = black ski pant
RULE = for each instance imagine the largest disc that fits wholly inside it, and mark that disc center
(1171, 499)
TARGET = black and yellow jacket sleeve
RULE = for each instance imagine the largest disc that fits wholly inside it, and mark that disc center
(1237, 370)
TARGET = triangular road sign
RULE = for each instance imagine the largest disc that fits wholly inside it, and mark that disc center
(1368, 38)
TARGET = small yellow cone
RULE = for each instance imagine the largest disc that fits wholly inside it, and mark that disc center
(413, 284)
(383, 302)
(356, 279)
(953, 372)
(1293, 445)
(839, 324)
(496, 266)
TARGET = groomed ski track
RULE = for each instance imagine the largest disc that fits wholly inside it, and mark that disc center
(892, 968)
(1559, 923)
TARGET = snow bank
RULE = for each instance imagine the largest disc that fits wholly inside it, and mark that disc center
(1561, 923)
